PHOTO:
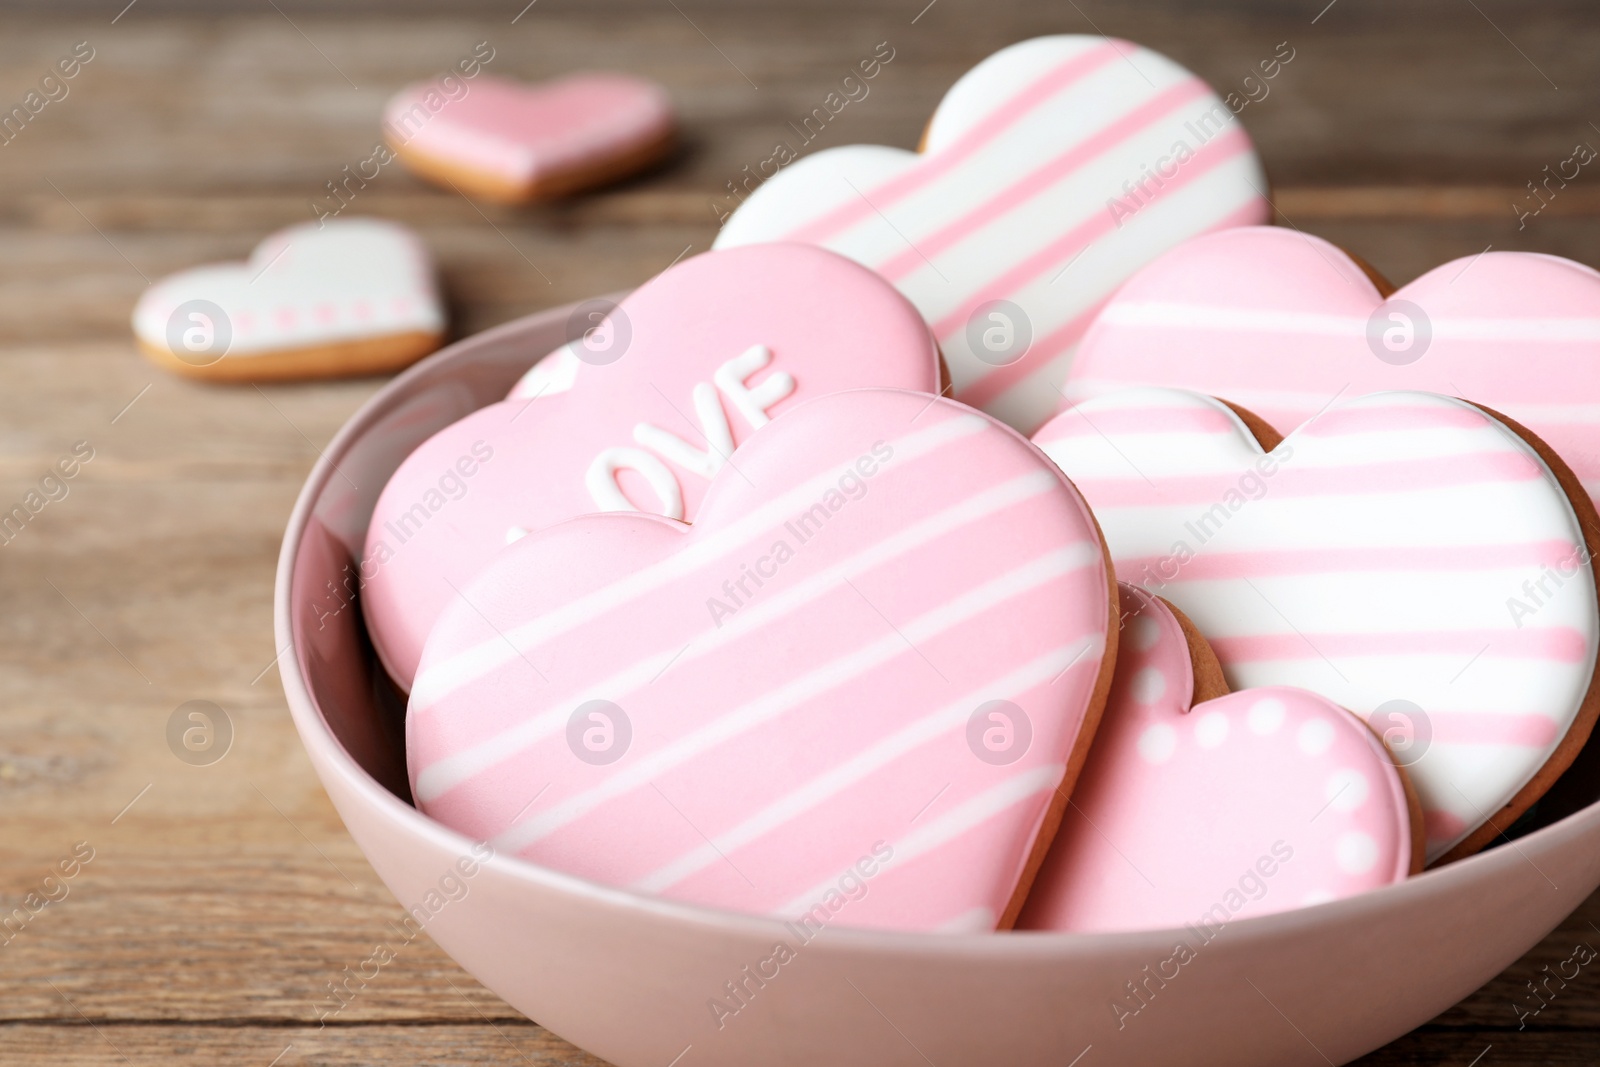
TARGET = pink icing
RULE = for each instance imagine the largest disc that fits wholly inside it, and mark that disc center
(525, 463)
(1255, 802)
(784, 726)
(1277, 321)
(1051, 151)
(521, 133)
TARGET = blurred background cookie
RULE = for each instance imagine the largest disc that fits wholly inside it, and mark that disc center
(339, 298)
(504, 140)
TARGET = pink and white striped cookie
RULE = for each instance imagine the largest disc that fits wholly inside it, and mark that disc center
(649, 401)
(1198, 807)
(1409, 556)
(856, 690)
(1051, 172)
(349, 296)
(508, 141)
(1281, 321)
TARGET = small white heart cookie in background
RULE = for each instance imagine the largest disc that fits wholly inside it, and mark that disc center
(1197, 806)
(503, 140)
(1412, 557)
(1050, 172)
(347, 297)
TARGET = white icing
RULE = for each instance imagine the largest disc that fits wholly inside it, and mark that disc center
(1149, 685)
(1211, 729)
(1158, 743)
(1347, 789)
(602, 481)
(713, 426)
(1355, 852)
(753, 402)
(1266, 716)
(1315, 737)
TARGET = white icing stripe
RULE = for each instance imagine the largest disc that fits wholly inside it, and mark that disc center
(1177, 316)
(847, 773)
(438, 680)
(440, 777)
(952, 824)
(1059, 320)
(825, 677)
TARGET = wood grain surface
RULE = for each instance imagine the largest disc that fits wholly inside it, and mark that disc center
(222, 900)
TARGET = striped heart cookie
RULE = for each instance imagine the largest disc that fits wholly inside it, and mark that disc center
(856, 690)
(1198, 807)
(1409, 556)
(641, 410)
(1281, 321)
(1049, 173)
(350, 296)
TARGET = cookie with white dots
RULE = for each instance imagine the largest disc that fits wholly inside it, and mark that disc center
(1198, 806)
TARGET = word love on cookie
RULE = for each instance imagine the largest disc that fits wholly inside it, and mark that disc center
(767, 755)
(1005, 230)
(641, 411)
(1372, 568)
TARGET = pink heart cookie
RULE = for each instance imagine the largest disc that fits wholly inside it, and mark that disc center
(1198, 807)
(503, 140)
(1281, 321)
(350, 296)
(654, 400)
(1050, 172)
(855, 690)
(1409, 556)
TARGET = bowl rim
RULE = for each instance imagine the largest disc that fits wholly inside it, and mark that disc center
(330, 756)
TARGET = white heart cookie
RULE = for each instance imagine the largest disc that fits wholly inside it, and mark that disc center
(1408, 556)
(1051, 172)
(352, 296)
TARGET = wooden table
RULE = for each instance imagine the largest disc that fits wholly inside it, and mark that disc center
(222, 900)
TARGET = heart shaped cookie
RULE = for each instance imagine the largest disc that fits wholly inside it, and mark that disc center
(1409, 556)
(352, 296)
(503, 140)
(654, 398)
(1197, 806)
(1281, 321)
(857, 689)
(1050, 172)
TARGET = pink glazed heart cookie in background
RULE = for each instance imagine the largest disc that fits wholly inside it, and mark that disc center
(1281, 321)
(503, 140)
(347, 297)
(856, 690)
(651, 400)
(1411, 557)
(1198, 807)
(1050, 172)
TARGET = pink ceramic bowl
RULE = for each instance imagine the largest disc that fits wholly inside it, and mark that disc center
(633, 978)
